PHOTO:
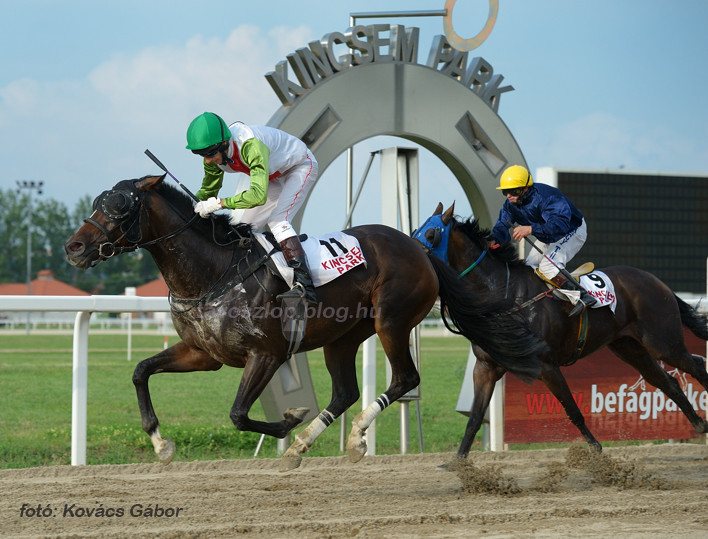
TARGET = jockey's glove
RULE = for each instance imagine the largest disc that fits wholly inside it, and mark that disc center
(208, 206)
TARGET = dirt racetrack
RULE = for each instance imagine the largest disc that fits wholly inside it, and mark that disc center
(659, 490)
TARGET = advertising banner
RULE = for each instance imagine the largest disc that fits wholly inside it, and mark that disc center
(617, 403)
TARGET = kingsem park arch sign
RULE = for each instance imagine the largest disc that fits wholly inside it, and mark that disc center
(369, 81)
(375, 80)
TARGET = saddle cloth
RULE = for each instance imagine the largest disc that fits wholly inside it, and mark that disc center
(601, 288)
(597, 284)
(328, 256)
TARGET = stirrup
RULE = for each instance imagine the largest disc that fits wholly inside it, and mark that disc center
(577, 309)
(582, 305)
(298, 291)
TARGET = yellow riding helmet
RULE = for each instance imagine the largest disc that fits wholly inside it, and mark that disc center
(514, 177)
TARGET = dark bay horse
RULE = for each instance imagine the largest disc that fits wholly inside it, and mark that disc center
(218, 283)
(645, 329)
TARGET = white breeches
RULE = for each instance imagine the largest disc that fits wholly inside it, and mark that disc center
(286, 194)
(560, 252)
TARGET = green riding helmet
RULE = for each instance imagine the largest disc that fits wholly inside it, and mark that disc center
(206, 130)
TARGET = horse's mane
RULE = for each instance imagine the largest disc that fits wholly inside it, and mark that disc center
(506, 252)
(219, 229)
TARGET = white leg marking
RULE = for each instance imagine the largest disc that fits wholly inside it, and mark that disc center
(291, 459)
(356, 444)
(164, 447)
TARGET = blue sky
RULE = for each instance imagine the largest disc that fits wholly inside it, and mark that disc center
(87, 86)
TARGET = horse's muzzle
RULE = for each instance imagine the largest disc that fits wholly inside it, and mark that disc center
(77, 254)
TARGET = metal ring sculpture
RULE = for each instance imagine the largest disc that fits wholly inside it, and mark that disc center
(473, 42)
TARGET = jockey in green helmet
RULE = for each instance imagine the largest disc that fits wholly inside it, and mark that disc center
(282, 170)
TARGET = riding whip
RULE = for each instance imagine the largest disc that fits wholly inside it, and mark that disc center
(563, 271)
(163, 167)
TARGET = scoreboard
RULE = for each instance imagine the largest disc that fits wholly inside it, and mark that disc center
(651, 220)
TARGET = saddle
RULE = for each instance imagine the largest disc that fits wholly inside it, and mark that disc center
(578, 272)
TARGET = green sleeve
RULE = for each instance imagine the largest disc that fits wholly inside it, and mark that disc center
(255, 156)
(213, 179)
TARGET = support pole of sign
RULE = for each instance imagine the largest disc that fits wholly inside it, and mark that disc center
(496, 417)
(368, 394)
(405, 434)
(343, 431)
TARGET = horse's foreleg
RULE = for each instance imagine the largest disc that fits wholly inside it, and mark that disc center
(258, 372)
(557, 384)
(486, 376)
(340, 359)
(178, 358)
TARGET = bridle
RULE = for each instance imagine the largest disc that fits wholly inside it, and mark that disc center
(124, 208)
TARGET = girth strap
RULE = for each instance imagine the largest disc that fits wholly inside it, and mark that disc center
(582, 337)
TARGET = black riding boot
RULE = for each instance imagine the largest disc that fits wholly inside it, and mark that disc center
(302, 280)
(585, 301)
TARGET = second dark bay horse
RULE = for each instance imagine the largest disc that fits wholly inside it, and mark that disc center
(645, 330)
(218, 283)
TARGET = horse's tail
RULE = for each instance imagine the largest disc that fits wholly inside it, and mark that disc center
(489, 323)
(692, 319)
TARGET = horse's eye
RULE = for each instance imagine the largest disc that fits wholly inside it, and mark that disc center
(432, 236)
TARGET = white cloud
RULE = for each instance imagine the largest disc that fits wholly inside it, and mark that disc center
(600, 140)
(83, 135)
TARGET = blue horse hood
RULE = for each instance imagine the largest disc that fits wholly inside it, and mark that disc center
(442, 231)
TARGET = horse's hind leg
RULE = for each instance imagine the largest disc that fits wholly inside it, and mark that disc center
(404, 377)
(631, 352)
(557, 384)
(340, 358)
(692, 364)
(177, 358)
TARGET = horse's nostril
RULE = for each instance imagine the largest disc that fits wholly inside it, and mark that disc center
(75, 246)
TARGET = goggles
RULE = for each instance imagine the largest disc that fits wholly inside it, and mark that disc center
(209, 151)
(516, 192)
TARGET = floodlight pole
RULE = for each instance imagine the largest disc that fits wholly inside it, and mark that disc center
(30, 186)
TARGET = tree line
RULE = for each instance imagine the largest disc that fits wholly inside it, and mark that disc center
(52, 224)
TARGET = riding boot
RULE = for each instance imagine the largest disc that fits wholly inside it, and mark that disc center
(302, 280)
(585, 301)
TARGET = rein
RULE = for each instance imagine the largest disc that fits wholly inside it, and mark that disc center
(131, 211)
(474, 264)
(213, 292)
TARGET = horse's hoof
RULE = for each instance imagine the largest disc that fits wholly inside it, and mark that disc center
(356, 453)
(289, 462)
(166, 451)
(356, 444)
(357, 450)
(296, 415)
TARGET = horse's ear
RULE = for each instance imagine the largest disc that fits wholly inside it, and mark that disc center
(149, 182)
(448, 214)
(438, 210)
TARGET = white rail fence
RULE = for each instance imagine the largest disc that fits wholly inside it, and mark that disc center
(84, 306)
